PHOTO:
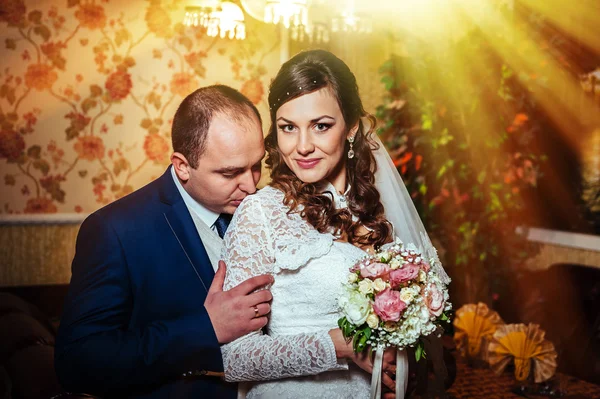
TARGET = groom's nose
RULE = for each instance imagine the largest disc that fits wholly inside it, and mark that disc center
(247, 183)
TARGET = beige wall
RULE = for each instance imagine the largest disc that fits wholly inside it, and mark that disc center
(87, 94)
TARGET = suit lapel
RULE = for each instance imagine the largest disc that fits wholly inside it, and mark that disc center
(178, 218)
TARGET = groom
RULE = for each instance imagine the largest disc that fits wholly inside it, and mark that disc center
(145, 313)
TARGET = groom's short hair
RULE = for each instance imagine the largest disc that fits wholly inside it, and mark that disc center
(195, 113)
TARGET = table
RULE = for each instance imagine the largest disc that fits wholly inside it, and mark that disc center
(475, 383)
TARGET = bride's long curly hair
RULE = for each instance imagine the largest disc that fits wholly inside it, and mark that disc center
(305, 73)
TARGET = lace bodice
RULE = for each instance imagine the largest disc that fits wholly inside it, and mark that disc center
(309, 268)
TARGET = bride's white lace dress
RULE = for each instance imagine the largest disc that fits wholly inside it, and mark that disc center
(294, 356)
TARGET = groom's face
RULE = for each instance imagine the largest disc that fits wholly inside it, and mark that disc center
(229, 168)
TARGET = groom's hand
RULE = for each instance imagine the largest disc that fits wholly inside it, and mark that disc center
(233, 313)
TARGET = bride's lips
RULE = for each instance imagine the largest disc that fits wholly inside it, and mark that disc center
(308, 163)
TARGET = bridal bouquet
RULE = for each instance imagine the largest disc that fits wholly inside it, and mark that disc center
(392, 298)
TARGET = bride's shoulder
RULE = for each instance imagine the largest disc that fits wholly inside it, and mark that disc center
(266, 198)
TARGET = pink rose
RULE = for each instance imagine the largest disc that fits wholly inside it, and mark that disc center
(388, 305)
(435, 300)
(406, 273)
(374, 270)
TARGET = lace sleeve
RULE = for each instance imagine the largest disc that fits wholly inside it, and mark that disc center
(249, 251)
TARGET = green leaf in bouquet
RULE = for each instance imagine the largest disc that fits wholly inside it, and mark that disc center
(346, 327)
(420, 351)
(360, 341)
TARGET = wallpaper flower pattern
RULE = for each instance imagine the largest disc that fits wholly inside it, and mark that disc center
(88, 89)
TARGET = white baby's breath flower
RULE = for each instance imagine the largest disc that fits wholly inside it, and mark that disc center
(422, 276)
(365, 286)
(424, 314)
(416, 289)
(373, 320)
(352, 277)
(395, 263)
(379, 285)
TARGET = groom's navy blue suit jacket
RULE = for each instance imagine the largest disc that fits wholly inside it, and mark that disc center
(134, 319)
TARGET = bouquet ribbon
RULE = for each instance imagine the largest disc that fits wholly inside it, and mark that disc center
(401, 374)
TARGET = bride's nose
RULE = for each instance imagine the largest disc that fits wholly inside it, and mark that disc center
(304, 145)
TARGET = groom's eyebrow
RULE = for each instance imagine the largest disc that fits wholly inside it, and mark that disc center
(230, 169)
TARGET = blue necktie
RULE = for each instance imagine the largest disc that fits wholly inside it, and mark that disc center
(222, 223)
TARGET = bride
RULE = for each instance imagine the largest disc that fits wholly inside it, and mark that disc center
(321, 212)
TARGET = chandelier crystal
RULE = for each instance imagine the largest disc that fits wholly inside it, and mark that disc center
(288, 12)
(219, 18)
(350, 21)
(228, 22)
(198, 14)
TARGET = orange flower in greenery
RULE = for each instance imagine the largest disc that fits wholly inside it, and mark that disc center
(11, 145)
(89, 148)
(12, 12)
(518, 122)
(253, 89)
(40, 205)
(91, 16)
(527, 172)
(418, 162)
(158, 21)
(183, 84)
(118, 85)
(403, 160)
(40, 76)
(156, 148)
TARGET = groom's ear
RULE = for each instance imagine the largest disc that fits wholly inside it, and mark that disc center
(181, 166)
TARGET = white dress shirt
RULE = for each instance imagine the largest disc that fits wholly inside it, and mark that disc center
(204, 220)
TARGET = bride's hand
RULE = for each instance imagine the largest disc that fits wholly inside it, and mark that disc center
(363, 360)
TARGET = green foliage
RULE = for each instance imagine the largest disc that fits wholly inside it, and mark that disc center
(420, 351)
(358, 335)
(466, 149)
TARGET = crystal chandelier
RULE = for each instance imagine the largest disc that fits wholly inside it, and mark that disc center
(219, 18)
(350, 21)
(288, 12)
(199, 14)
(227, 21)
(316, 32)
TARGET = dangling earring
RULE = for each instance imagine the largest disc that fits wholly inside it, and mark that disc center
(351, 151)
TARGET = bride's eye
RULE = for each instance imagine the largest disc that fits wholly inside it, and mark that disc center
(286, 128)
(321, 127)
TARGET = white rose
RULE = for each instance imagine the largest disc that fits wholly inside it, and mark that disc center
(365, 286)
(356, 307)
(385, 256)
(352, 277)
(406, 295)
(379, 285)
(395, 263)
(373, 320)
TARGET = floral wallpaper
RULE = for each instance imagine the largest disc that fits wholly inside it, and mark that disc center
(88, 89)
